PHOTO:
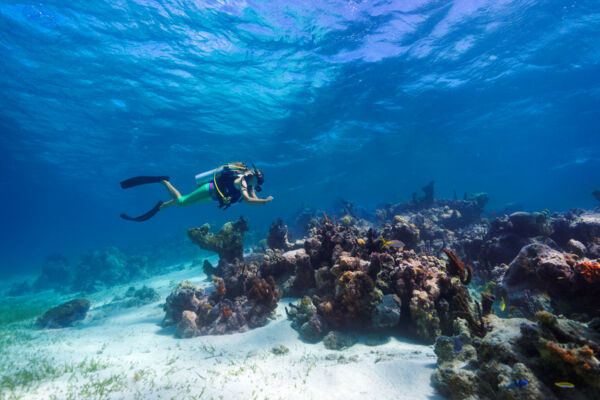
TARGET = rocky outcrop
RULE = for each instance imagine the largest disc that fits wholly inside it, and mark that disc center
(580, 226)
(544, 279)
(64, 315)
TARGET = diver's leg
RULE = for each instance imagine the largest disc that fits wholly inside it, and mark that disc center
(200, 195)
(172, 191)
(168, 204)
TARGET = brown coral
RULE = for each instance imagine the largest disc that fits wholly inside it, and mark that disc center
(264, 292)
(589, 270)
(458, 268)
(461, 309)
(356, 292)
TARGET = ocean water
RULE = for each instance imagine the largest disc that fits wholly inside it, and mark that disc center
(362, 101)
(365, 101)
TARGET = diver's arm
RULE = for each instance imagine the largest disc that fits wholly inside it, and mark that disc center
(253, 195)
(251, 198)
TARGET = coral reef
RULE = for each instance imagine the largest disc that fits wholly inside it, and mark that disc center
(427, 198)
(241, 300)
(541, 353)
(458, 268)
(387, 276)
(360, 283)
(589, 271)
(305, 219)
(57, 273)
(108, 267)
(99, 269)
(580, 225)
(135, 298)
(387, 313)
(96, 270)
(509, 234)
(544, 279)
(442, 223)
(185, 297)
(208, 269)
(278, 236)
(228, 243)
(64, 315)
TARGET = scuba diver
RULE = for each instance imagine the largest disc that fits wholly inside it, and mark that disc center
(228, 184)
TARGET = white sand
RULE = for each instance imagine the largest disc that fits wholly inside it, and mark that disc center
(125, 354)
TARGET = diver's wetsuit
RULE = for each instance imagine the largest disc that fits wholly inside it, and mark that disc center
(207, 191)
(222, 190)
(203, 194)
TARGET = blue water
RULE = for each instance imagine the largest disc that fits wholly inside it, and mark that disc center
(366, 101)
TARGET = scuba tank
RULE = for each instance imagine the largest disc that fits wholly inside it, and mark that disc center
(208, 176)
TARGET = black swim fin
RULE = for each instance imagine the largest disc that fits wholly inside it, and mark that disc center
(142, 180)
(146, 216)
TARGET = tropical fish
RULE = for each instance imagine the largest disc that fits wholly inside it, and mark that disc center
(458, 345)
(506, 266)
(360, 241)
(502, 304)
(564, 385)
(517, 383)
(392, 243)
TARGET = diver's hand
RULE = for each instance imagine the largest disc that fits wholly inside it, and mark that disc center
(269, 199)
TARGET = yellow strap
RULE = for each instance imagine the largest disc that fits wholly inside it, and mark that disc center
(225, 200)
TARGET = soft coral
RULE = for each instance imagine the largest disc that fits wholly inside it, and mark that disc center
(589, 270)
(457, 267)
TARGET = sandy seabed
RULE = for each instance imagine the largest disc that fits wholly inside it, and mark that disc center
(126, 354)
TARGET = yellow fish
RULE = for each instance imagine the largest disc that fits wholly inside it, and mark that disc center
(506, 266)
(565, 385)
(360, 241)
(502, 304)
(392, 243)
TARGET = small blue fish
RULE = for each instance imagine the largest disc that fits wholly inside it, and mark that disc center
(458, 345)
(517, 384)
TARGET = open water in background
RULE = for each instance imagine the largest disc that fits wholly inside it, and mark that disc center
(366, 101)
